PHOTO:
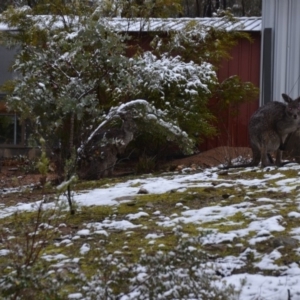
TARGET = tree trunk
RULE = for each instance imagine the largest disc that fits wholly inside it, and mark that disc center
(224, 4)
(243, 8)
(31, 3)
(197, 8)
(187, 8)
(71, 141)
(207, 9)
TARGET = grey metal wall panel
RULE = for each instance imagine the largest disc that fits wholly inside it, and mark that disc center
(268, 11)
(267, 67)
(284, 19)
(293, 58)
(281, 29)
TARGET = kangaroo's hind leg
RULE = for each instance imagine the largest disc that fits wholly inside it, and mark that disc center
(264, 157)
(278, 157)
(271, 160)
(256, 153)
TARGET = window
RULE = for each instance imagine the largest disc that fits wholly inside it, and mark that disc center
(10, 130)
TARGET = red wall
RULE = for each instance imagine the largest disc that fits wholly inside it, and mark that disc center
(245, 62)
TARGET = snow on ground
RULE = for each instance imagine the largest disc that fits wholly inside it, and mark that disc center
(254, 286)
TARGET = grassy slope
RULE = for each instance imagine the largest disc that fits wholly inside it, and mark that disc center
(28, 240)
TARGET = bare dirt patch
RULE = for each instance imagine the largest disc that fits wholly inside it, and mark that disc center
(11, 177)
(214, 157)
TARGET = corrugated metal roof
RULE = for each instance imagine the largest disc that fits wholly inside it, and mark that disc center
(177, 24)
(3, 27)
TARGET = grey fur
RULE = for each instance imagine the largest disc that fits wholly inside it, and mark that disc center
(269, 127)
(292, 147)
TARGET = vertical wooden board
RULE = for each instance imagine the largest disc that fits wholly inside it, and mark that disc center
(245, 63)
(244, 66)
(255, 54)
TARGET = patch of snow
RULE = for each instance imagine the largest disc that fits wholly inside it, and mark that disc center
(113, 225)
(83, 232)
(4, 252)
(85, 248)
(294, 214)
(75, 296)
(137, 215)
(55, 257)
(154, 236)
(267, 261)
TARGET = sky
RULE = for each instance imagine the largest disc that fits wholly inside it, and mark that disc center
(255, 286)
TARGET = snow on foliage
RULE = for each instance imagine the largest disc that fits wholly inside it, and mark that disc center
(145, 114)
(155, 72)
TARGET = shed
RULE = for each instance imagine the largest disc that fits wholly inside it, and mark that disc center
(245, 62)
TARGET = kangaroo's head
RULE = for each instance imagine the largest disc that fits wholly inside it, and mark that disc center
(293, 106)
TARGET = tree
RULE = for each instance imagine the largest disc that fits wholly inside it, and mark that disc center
(157, 8)
(247, 8)
(113, 8)
(209, 8)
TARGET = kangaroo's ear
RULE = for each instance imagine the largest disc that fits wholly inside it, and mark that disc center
(287, 98)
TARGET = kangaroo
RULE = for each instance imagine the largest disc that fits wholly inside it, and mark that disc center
(269, 128)
(100, 153)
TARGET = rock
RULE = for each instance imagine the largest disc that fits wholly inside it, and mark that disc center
(209, 189)
(194, 167)
(142, 191)
(223, 172)
(186, 170)
(215, 247)
(180, 167)
(284, 241)
(124, 198)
